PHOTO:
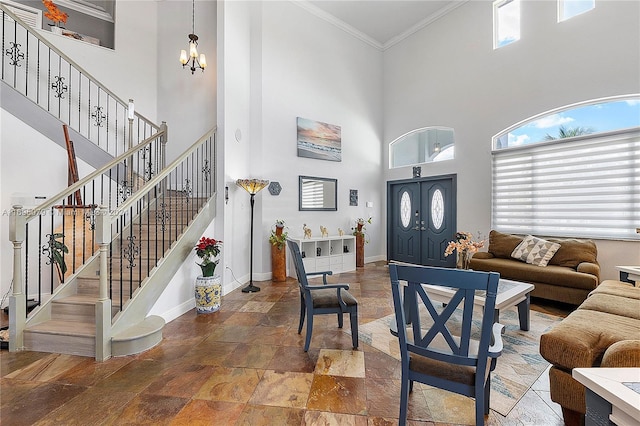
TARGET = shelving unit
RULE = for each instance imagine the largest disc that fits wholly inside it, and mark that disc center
(337, 254)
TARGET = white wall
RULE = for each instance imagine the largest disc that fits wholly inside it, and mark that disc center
(449, 75)
(297, 65)
(31, 165)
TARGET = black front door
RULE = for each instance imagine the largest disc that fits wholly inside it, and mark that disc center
(421, 220)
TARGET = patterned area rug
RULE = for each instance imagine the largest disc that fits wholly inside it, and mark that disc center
(519, 366)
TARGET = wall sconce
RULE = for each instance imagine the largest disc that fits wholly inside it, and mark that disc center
(193, 47)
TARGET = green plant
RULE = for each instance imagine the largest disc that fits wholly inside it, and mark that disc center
(56, 251)
(278, 235)
(359, 228)
(563, 133)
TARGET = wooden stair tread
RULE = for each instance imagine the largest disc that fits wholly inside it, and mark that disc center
(64, 328)
(78, 299)
(149, 325)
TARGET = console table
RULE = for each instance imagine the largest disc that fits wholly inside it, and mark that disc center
(337, 254)
(633, 273)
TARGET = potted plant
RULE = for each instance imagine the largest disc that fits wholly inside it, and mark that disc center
(278, 239)
(360, 234)
(208, 291)
(56, 251)
(56, 15)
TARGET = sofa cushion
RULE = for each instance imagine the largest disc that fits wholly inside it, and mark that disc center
(572, 252)
(535, 251)
(502, 245)
(582, 338)
(612, 304)
(520, 271)
(618, 288)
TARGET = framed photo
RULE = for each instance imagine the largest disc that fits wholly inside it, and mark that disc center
(319, 140)
(353, 197)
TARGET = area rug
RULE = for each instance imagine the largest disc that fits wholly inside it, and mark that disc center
(518, 368)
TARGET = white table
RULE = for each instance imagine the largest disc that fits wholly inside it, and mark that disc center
(612, 394)
(633, 271)
(510, 293)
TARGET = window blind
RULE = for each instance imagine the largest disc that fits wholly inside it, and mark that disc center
(587, 187)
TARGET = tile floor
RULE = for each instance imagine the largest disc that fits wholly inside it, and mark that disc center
(244, 365)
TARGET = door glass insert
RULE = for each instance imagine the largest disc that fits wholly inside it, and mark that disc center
(437, 209)
(405, 209)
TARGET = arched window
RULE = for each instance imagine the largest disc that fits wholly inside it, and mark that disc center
(424, 145)
(573, 171)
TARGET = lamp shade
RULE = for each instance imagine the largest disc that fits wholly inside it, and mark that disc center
(203, 61)
(183, 57)
(252, 186)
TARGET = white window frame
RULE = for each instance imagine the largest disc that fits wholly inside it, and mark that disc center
(496, 22)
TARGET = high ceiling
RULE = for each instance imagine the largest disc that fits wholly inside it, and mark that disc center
(383, 21)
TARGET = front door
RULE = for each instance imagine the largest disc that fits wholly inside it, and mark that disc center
(421, 220)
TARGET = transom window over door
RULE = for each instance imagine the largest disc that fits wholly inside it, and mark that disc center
(579, 176)
(424, 145)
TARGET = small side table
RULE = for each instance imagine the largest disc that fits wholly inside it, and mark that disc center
(633, 273)
(612, 395)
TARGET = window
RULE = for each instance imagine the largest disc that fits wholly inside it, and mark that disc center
(580, 184)
(424, 145)
(567, 9)
(506, 22)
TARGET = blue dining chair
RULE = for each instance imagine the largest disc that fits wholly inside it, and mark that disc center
(448, 353)
(322, 299)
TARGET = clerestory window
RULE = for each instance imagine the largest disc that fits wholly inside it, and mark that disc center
(567, 9)
(506, 22)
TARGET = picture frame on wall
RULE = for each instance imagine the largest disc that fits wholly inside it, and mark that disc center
(353, 197)
(319, 140)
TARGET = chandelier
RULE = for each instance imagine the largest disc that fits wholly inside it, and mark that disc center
(193, 61)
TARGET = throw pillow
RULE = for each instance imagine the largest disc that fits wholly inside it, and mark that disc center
(535, 251)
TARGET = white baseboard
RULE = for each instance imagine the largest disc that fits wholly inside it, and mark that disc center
(179, 310)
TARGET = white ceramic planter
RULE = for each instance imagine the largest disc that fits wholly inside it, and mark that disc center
(208, 294)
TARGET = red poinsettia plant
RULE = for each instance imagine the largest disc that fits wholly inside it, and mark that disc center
(208, 249)
(54, 14)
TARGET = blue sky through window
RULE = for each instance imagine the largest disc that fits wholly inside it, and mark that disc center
(570, 8)
(598, 118)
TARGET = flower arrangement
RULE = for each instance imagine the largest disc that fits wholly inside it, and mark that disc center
(359, 228)
(207, 249)
(278, 236)
(466, 246)
(54, 14)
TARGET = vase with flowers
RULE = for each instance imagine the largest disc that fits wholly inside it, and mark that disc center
(360, 234)
(208, 292)
(56, 15)
(465, 246)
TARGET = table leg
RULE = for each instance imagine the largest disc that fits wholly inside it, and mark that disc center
(524, 313)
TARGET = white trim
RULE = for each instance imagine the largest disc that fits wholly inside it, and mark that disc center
(423, 23)
(338, 23)
(305, 4)
(87, 8)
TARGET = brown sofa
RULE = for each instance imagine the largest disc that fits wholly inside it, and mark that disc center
(603, 332)
(571, 274)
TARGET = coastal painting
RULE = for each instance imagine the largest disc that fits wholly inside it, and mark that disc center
(319, 140)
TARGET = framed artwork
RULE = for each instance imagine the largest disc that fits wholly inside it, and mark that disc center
(319, 140)
(353, 197)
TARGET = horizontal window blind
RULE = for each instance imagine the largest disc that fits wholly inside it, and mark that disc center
(586, 187)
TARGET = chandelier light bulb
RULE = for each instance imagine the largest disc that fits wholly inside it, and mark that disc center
(203, 61)
(193, 50)
(183, 57)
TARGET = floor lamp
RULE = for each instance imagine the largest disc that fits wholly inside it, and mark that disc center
(252, 186)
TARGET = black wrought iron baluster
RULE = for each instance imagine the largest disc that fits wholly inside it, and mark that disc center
(73, 239)
(26, 265)
(15, 55)
(40, 253)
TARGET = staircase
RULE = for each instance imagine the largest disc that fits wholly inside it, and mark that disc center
(140, 220)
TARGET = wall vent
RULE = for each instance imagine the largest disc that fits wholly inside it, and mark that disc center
(30, 15)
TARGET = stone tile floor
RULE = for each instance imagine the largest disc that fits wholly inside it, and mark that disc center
(244, 365)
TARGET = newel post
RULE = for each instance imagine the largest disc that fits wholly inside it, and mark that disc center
(18, 299)
(103, 305)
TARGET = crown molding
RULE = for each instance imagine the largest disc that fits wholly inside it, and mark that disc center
(370, 41)
(337, 22)
(425, 22)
